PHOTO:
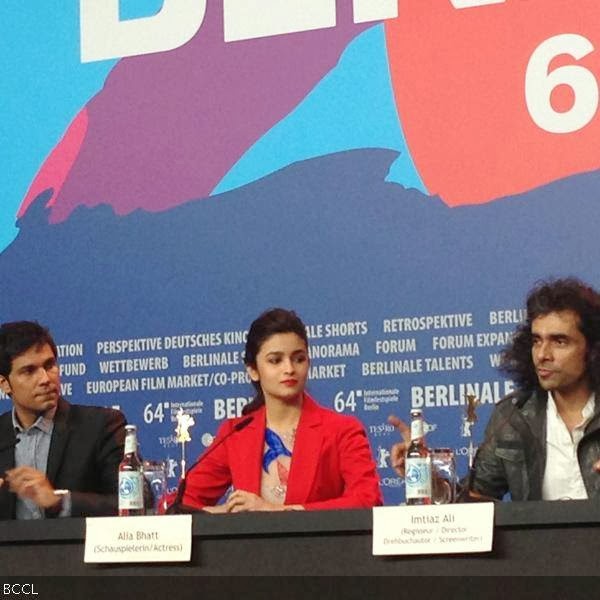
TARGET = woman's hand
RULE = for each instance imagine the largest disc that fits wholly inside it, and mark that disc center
(220, 509)
(243, 501)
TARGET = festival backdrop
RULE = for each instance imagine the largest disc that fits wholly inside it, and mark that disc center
(398, 172)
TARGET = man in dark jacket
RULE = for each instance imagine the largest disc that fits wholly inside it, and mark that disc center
(543, 441)
(56, 459)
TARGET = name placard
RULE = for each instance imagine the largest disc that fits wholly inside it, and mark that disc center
(165, 538)
(439, 529)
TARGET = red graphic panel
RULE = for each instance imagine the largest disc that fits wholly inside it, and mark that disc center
(459, 77)
(56, 167)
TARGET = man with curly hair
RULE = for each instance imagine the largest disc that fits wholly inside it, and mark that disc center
(543, 441)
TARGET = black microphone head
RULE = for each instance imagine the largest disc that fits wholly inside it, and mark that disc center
(239, 426)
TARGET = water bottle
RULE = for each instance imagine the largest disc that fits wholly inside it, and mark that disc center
(418, 463)
(131, 477)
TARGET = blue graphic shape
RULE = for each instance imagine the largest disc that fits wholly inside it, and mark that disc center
(40, 37)
(137, 9)
(353, 248)
(351, 108)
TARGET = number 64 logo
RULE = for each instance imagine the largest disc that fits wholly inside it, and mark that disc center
(540, 82)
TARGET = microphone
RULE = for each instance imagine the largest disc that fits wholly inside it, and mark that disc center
(178, 508)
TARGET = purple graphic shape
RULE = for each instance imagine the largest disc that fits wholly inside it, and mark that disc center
(168, 126)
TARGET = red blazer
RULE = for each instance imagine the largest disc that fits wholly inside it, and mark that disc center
(332, 465)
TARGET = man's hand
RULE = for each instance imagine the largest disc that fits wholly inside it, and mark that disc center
(398, 452)
(597, 466)
(32, 484)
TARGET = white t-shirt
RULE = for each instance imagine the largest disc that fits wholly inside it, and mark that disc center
(562, 477)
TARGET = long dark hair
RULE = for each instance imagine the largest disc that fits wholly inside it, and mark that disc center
(270, 322)
(554, 296)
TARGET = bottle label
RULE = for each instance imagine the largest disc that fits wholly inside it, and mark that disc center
(416, 429)
(131, 490)
(418, 478)
(130, 444)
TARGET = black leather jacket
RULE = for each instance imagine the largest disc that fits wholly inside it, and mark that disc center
(512, 457)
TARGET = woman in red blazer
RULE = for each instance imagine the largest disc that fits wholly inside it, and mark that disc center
(286, 452)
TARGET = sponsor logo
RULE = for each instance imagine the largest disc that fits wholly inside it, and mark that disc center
(464, 451)
(383, 429)
(167, 441)
(391, 482)
(383, 455)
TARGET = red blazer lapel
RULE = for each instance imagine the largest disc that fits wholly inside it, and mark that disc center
(306, 454)
(246, 451)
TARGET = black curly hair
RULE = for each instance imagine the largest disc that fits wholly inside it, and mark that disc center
(553, 296)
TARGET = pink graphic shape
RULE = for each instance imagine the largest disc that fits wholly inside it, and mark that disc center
(56, 167)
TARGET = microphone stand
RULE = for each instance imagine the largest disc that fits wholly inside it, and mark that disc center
(178, 507)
